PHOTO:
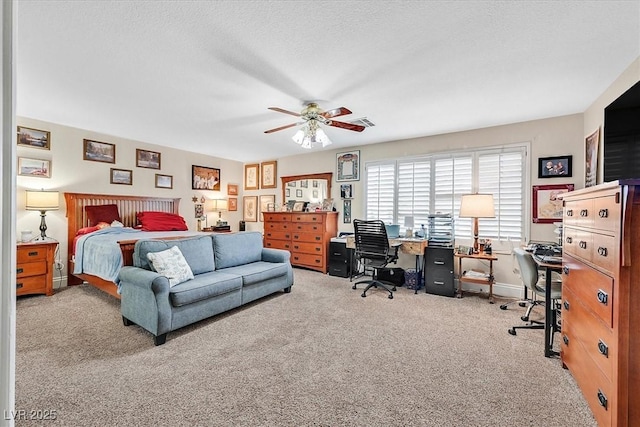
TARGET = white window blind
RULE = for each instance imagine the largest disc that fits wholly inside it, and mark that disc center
(434, 184)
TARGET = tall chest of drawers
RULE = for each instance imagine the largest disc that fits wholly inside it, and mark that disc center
(305, 234)
(601, 298)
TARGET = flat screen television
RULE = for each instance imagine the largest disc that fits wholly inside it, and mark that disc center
(621, 141)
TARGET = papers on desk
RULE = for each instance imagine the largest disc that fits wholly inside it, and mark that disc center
(474, 274)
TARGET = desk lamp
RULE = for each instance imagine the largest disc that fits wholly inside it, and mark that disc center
(219, 205)
(43, 201)
(409, 224)
(476, 206)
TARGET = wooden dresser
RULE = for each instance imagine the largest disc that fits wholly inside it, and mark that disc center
(305, 235)
(34, 268)
(601, 298)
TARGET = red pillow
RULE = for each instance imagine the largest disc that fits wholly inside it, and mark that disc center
(102, 213)
(87, 230)
(161, 221)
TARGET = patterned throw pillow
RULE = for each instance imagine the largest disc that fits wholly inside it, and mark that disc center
(172, 265)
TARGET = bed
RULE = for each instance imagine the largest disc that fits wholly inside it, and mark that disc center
(128, 208)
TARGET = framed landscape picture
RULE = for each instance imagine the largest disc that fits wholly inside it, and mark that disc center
(34, 138)
(121, 176)
(34, 167)
(97, 151)
(164, 181)
(205, 178)
(147, 159)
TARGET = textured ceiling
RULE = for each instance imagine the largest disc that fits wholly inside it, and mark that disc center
(199, 75)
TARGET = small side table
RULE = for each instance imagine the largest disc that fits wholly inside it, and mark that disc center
(34, 268)
(489, 280)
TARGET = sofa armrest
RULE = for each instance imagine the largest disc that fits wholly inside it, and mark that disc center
(145, 299)
(275, 255)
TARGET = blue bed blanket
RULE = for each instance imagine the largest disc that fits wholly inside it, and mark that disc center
(99, 254)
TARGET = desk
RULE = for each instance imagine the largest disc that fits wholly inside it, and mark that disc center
(478, 280)
(550, 321)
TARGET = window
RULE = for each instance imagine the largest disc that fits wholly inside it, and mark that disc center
(432, 184)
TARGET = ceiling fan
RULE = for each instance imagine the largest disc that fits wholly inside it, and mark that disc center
(312, 115)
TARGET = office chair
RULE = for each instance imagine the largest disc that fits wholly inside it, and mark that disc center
(374, 252)
(533, 281)
(516, 271)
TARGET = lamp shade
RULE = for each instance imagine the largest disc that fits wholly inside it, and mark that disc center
(218, 205)
(408, 221)
(42, 200)
(477, 206)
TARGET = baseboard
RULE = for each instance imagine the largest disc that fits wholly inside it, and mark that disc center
(506, 290)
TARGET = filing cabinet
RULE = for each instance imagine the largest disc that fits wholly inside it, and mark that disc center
(341, 259)
(438, 271)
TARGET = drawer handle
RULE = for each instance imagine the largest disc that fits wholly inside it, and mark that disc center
(583, 244)
(296, 247)
(435, 282)
(296, 258)
(603, 213)
(318, 249)
(565, 340)
(318, 238)
(19, 270)
(286, 246)
(569, 212)
(566, 305)
(317, 261)
(584, 213)
(603, 297)
(565, 269)
(438, 262)
(602, 251)
(568, 239)
(602, 399)
(603, 349)
(295, 236)
(19, 285)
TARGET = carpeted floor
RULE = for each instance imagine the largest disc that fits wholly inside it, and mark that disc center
(319, 356)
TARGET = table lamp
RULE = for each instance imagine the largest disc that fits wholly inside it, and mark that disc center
(219, 205)
(476, 206)
(43, 201)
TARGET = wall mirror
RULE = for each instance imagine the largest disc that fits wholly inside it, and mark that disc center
(312, 188)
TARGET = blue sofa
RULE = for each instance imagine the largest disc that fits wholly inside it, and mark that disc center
(229, 269)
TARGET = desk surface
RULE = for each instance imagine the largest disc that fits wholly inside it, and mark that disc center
(409, 245)
(480, 255)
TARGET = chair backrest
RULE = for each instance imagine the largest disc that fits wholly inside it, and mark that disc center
(371, 238)
(528, 268)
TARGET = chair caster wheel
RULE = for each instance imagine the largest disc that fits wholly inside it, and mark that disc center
(363, 295)
(394, 289)
(524, 318)
(353, 287)
(503, 307)
(512, 331)
(390, 296)
(522, 304)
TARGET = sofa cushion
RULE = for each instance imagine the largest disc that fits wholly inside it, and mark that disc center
(204, 286)
(171, 264)
(196, 250)
(258, 271)
(237, 248)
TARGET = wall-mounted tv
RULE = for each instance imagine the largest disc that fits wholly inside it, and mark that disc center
(622, 136)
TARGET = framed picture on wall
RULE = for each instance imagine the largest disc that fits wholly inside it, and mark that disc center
(205, 178)
(40, 168)
(96, 151)
(346, 211)
(34, 138)
(555, 167)
(592, 143)
(348, 166)
(121, 176)
(547, 207)
(268, 173)
(147, 159)
(233, 204)
(250, 208)
(164, 181)
(251, 176)
(232, 189)
(267, 204)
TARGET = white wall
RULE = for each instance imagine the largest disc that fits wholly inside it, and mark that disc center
(70, 173)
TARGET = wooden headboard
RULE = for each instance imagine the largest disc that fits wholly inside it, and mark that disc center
(128, 207)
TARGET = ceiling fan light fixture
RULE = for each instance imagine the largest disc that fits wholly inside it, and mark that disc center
(311, 136)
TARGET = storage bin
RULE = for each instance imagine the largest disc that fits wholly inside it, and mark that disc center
(393, 230)
(412, 279)
(391, 275)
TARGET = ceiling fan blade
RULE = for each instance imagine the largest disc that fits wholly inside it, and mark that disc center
(281, 128)
(280, 110)
(344, 125)
(342, 111)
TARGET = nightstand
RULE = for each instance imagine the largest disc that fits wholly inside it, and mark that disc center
(34, 269)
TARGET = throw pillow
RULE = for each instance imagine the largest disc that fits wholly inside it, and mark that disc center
(102, 213)
(171, 264)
